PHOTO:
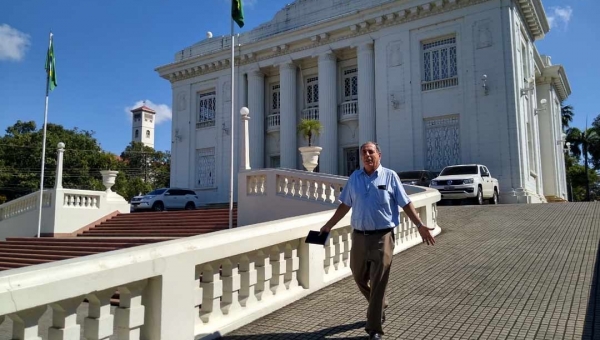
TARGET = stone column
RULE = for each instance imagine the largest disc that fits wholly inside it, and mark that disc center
(256, 104)
(59, 166)
(328, 139)
(366, 93)
(244, 140)
(288, 148)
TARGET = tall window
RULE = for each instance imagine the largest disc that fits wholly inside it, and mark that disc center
(137, 117)
(147, 133)
(312, 92)
(207, 103)
(275, 161)
(137, 133)
(530, 151)
(275, 99)
(350, 84)
(205, 168)
(439, 64)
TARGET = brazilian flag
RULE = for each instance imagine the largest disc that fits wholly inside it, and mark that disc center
(237, 12)
(51, 66)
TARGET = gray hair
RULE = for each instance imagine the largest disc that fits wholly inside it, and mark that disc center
(371, 143)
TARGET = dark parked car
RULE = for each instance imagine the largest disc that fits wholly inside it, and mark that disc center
(417, 177)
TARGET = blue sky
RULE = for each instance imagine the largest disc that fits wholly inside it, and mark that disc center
(107, 50)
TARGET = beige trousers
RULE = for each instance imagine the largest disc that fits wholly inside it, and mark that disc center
(370, 262)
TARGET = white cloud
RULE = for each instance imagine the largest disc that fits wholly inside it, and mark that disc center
(13, 43)
(163, 111)
(560, 16)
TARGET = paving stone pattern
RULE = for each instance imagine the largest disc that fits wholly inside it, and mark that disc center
(497, 272)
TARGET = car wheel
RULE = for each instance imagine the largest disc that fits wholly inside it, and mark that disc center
(479, 198)
(494, 199)
(158, 206)
(190, 206)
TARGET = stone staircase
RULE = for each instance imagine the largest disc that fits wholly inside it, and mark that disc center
(121, 231)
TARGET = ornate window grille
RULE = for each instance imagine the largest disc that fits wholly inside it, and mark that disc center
(442, 142)
(205, 170)
(439, 64)
(275, 99)
(207, 103)
(350, 84)
(312, 92)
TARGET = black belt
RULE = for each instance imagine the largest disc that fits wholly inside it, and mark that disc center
(373, 232)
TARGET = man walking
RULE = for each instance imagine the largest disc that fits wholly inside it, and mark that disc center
(374, 194)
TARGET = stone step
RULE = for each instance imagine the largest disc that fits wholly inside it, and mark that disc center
(168, 223)
(34, 247)
(66, 253)
(11, 265)
(72, 240)
(161, 227)
(165, 214)
(171, 234)
(29, 261)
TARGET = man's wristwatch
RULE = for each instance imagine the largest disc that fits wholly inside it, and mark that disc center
(420, 225)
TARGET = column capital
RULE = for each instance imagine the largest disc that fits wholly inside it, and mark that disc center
(255, 72)
(366, 46)
(287, 65)
(328, 56)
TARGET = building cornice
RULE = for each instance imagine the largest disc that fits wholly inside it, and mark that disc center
(535, 17)
(350, 27)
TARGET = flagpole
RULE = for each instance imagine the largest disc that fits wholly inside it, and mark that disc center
(39, 229)
(232, 126)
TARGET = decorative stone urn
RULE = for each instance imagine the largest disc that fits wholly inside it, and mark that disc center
(310, 156)
(108, 178)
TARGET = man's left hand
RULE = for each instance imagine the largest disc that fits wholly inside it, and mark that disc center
(426, 235)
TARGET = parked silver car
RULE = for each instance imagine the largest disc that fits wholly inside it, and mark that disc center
(166, 199)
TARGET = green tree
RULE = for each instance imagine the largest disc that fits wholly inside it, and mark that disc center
(580, 146)
(308, 128)
(566, 113)
(20, 159)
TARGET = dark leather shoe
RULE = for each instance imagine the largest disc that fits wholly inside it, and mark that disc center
(375, 336)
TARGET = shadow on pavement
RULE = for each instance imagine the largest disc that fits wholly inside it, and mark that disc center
(326, 333)
(591, 327)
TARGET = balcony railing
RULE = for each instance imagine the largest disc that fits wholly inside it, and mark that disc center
(273, 121)
(349, 110)
(203, 285)
(311, 113)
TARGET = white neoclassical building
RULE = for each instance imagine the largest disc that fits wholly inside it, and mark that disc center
(434, 82)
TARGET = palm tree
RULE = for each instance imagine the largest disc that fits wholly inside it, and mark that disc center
(309, 127)
(581, 141)
(566, 114)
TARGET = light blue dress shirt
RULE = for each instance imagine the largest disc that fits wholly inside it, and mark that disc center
(374, 199)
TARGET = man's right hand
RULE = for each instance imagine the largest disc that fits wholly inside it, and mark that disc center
(325, 229)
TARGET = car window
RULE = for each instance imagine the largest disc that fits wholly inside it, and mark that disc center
(190, 192)
(156, 192)
(459, 170)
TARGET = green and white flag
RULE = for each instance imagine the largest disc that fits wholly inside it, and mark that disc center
(51, 66)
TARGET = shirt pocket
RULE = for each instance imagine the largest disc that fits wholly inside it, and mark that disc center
(383, 197)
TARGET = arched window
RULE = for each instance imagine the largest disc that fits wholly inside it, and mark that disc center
(137, 133)
(147, 133)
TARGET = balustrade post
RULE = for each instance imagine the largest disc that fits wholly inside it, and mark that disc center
(25, 323)
(328, 263)
(59, 166)
(64, 320)
(130, 313)
(265, 273)
(278, 264)
(99, 323)
(231, 287)
(249, 278)
(212, 290)
(292, 263)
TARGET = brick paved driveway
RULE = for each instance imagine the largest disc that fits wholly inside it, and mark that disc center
(497, 272)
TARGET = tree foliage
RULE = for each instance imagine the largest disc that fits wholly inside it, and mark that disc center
(140, 168)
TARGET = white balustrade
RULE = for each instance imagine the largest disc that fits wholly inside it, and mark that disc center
(311, 113)
(256, 185)
(273, 122)
(229, 278)
(24, 204)
(349, 110)
(75, 200)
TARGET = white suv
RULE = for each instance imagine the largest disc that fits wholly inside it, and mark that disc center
(469, 181)
(166, 199)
